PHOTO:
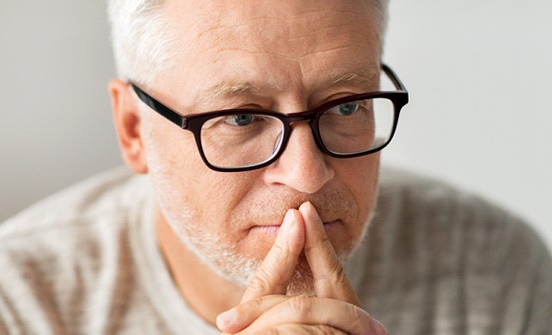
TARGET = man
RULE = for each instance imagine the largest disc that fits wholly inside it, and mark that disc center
(261, 193)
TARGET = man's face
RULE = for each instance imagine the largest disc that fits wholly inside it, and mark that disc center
(287, 56)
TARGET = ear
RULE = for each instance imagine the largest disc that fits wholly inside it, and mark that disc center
(127, 118)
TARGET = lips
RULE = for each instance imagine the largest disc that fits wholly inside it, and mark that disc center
(328, 226)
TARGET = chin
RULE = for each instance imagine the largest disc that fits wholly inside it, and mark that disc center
(302, 282)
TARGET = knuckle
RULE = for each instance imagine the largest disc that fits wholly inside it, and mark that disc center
(336, 273)
(302, 305)
(266, 277)
(362, 322)
(244, 311)
(264, 281)
(335, 277)
(358, 318)
(295, 329)
(261, 280)
(271, 331)
(327, 330)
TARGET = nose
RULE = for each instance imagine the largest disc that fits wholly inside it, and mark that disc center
(302, 166)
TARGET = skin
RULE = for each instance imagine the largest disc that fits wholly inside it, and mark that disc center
(284, 56)
(265, 308)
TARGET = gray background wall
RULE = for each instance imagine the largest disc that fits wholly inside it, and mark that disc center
(479, 74)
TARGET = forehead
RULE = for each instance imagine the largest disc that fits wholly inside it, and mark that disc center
(268, 24)
(233, 45)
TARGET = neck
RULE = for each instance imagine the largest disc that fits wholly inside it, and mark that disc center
(205, 292)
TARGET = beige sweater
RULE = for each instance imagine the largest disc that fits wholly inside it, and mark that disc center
(435, 261)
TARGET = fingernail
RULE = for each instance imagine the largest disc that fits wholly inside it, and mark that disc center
(226, 319)
(307, 208)
(288, 221)
(380, 328)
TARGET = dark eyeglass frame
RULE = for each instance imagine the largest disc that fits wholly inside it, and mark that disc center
(194, 122)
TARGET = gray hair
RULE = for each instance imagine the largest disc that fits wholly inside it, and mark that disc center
(141, 38)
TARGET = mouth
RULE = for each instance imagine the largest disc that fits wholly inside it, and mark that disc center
(275, 228)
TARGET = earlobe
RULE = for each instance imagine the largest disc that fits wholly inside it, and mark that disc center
(127, 118)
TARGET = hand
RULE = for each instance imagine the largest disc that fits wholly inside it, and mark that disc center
(265, 308)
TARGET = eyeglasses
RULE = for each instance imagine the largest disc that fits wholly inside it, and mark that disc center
(233, 140)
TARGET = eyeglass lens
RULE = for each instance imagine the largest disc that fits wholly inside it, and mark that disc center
(233, 141)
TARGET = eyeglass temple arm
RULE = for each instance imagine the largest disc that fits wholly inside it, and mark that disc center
(160, 108)
(394, 78)
(181, 121)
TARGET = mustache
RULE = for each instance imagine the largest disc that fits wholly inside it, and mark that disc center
(271, 208)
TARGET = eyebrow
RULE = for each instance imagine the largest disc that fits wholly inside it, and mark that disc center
(233, 89)
(355, 78)
(229, 89)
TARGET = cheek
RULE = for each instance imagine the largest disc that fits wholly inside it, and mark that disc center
(186, 188)
(360, 177)
(171, 157)
(215, 195)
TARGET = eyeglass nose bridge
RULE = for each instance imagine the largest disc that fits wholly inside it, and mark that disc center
(309, 115)
(289, 120)
(193, 122)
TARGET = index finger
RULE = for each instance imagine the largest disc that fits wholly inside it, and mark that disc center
(276, 270)
(330, 280)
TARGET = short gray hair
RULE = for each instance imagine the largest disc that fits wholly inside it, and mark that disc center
(141, 38)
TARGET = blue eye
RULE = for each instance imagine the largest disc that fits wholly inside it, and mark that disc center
(240, 119)
(345, 109)
(348, 108)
